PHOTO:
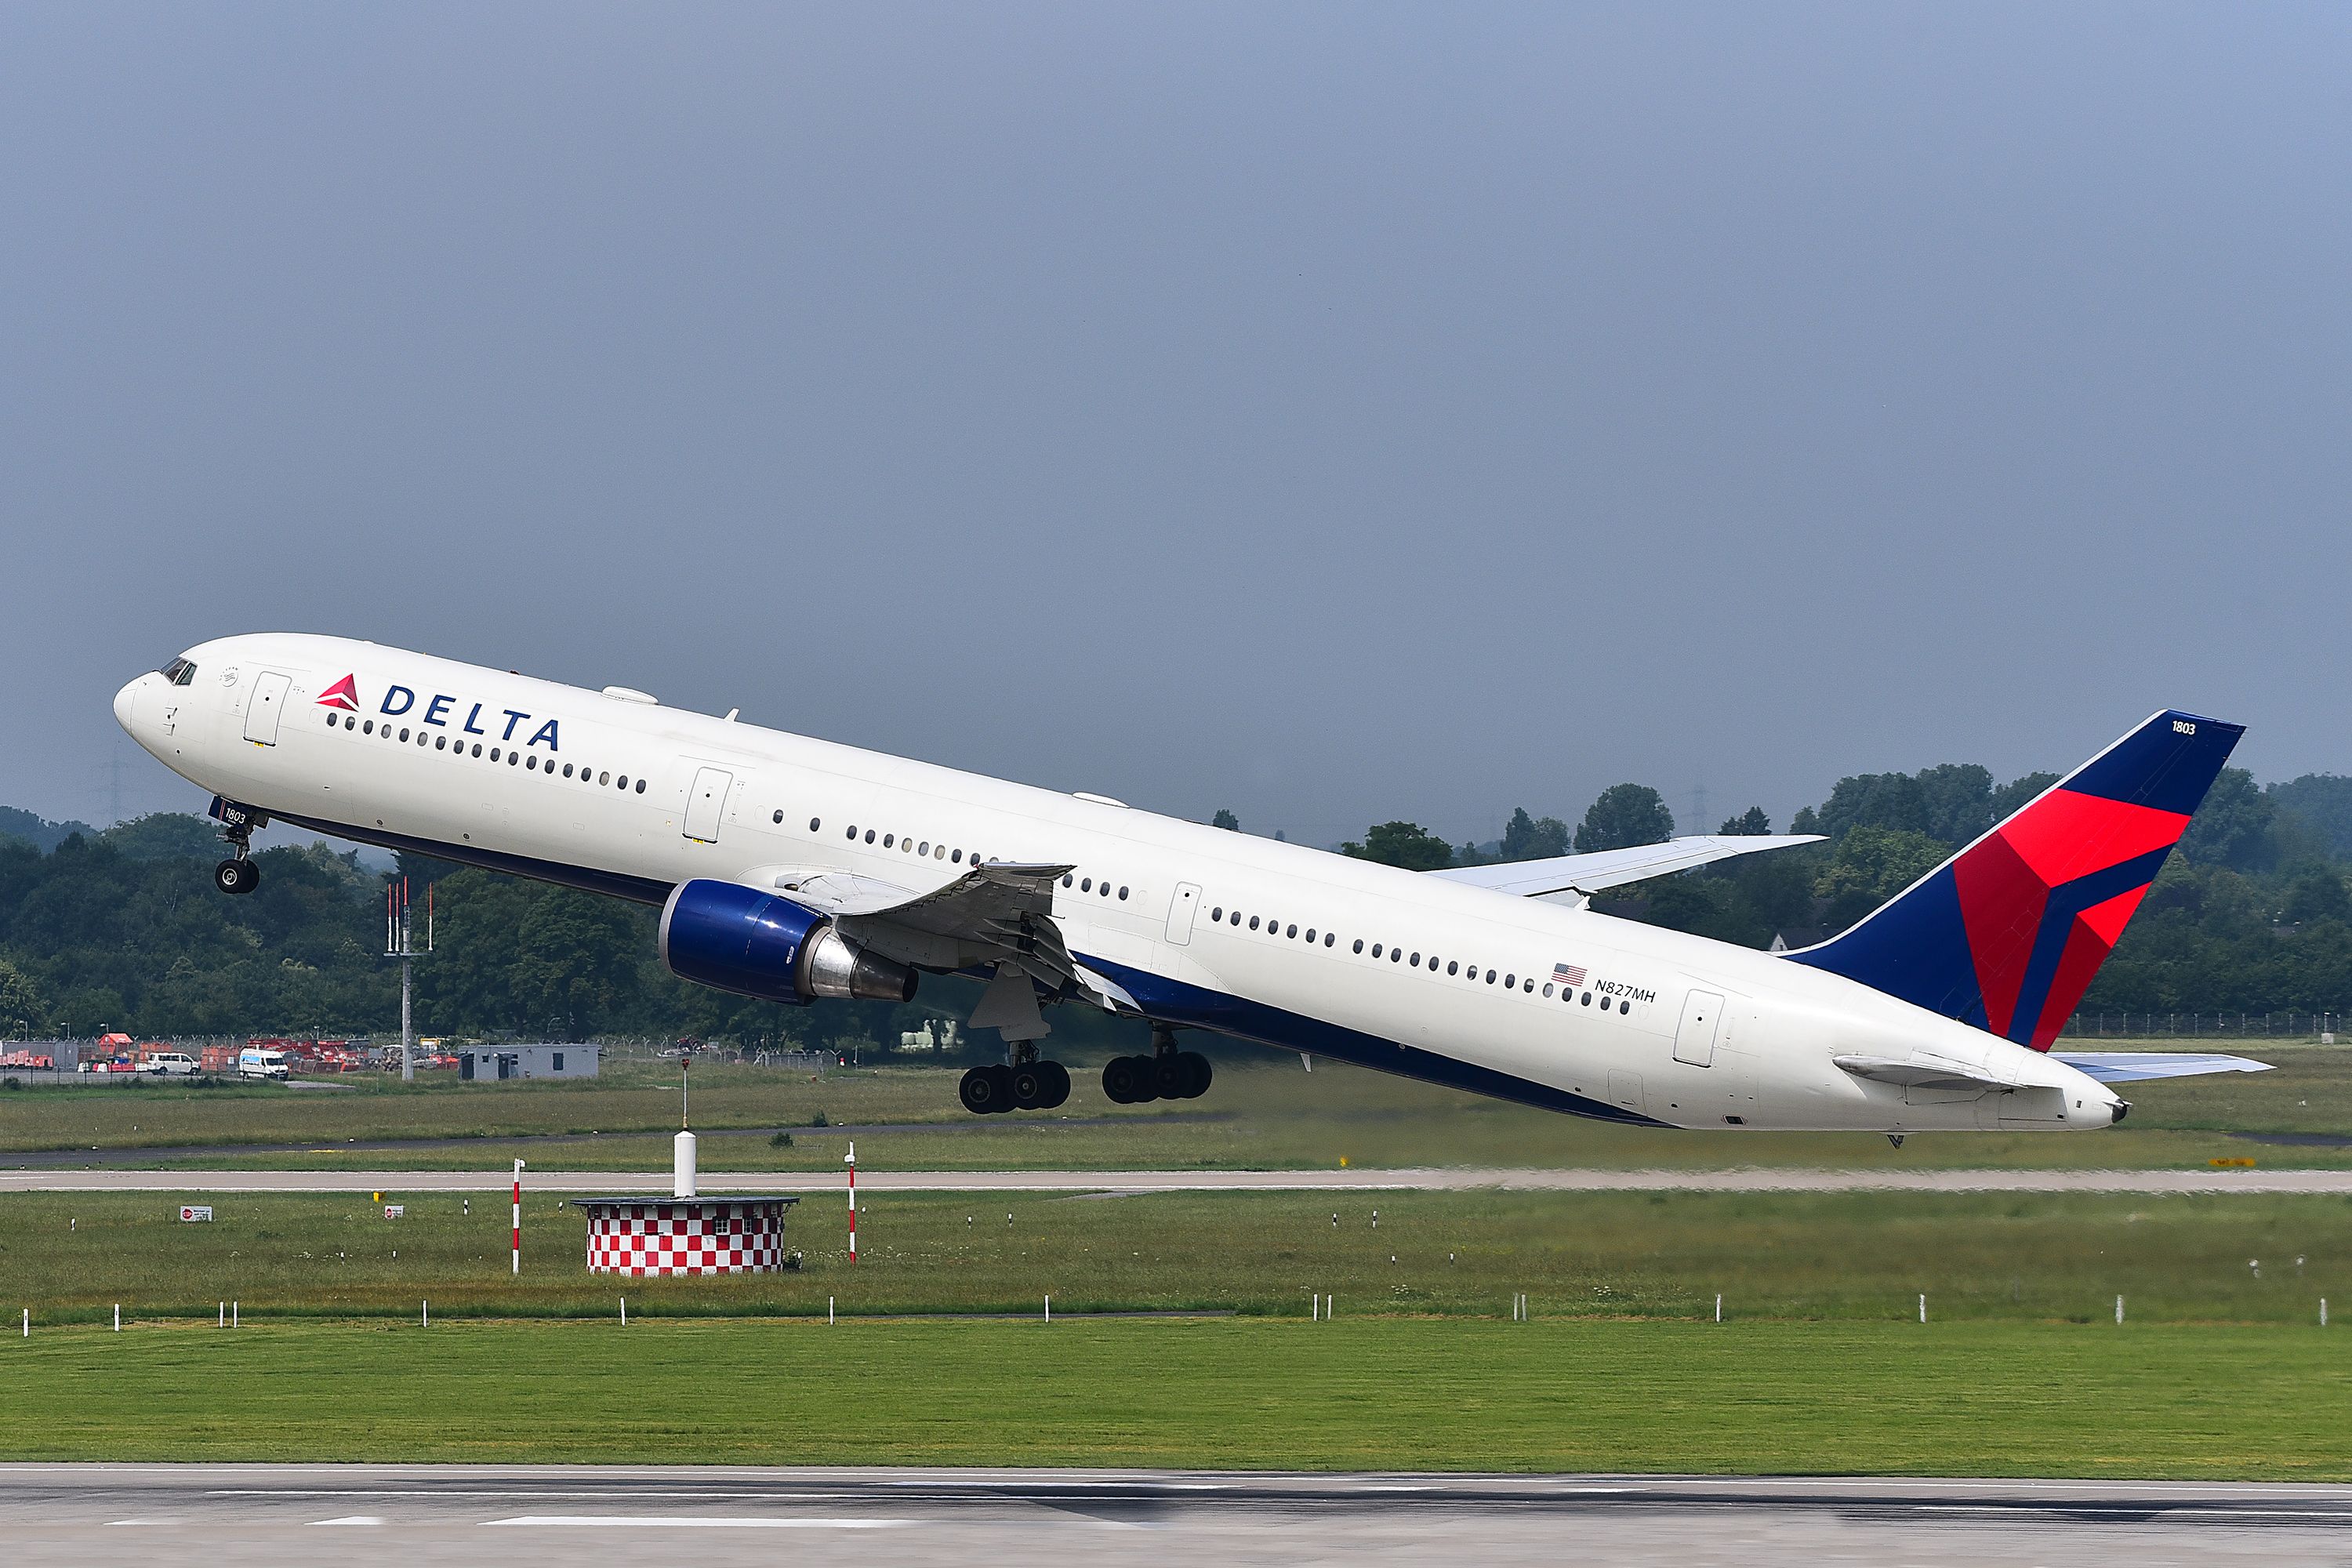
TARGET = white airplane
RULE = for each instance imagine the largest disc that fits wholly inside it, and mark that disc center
(792, 868)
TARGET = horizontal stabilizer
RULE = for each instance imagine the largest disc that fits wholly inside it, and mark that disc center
(1615, 867)
(1920, 1071)
(2140, 1066)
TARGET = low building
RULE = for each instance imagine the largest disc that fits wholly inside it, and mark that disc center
(500, 1062)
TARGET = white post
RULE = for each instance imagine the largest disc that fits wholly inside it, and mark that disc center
(1049, 1307)
(1922, 1305)
(2119, 1309)
(1315, 1307)
(118, 1317)
(2322, 1311)
(828, 1310)
(624, 1311)
(223, 1316)
(517, 1219)
(232, 1314)
(681, 1183)
(1718, 1307)
(29, 1322)
(424, 1314)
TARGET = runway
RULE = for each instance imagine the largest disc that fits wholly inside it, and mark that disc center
(877, 1178)
(161, 1515)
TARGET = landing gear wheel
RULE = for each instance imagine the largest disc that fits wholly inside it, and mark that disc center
(1120, 1079)
(986, 1090)
(1170, 1079)
(1031, 1083)
(1057, 1089)
(1196, 1074)
(1147, 1080)
(238, 877)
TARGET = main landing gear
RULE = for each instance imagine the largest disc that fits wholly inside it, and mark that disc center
(1166, 1074)
(1028, 1084)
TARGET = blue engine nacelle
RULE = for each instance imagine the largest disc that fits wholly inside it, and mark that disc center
(739, 939)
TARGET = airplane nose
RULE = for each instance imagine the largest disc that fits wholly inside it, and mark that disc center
(126, 704)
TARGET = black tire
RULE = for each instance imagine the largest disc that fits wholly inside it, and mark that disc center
(1196, 1074)
(1058, 1088)
(237, 877)
(1169, 1076)
(986, 1090)
(1120, 1079)
(1032, 1086)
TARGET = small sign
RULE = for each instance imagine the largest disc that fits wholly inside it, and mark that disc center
(191, 1213)
(395, 1211)
(2233, 1162)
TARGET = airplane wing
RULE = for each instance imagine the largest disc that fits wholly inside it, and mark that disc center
(1579, 875)
(2140, 1066)
(994, 913)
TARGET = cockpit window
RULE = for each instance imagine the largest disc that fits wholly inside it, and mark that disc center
(179, 673)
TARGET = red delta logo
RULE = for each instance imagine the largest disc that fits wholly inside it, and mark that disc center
(342, 694)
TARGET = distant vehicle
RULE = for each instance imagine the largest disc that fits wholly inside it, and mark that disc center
(169, 1064)
(1939, 1011)
(254, 1062)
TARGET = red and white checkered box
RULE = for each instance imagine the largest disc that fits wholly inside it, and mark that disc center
(665, 1237)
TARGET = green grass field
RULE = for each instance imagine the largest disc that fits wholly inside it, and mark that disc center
(1263, 1115)
(1836, 1256)
(2212, 1403)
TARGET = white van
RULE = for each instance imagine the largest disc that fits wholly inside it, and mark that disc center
(176, 1064)
(256, 1062)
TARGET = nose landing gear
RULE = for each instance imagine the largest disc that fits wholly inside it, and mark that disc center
(238, 875)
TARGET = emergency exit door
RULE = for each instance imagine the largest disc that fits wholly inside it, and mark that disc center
(1702, 1020)
(263, 707)
(1180, 910)
(705, 803)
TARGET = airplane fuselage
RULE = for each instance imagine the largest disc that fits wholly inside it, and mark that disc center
(1295, 948)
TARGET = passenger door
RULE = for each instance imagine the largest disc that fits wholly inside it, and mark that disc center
(1181, 912)
(706, 802)
(263, 708)
(1695, 1037)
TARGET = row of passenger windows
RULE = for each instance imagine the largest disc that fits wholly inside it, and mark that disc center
(925, 847)
(1220, 915)
(512, 758)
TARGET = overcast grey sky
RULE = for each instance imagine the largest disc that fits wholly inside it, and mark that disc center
(1337, 413)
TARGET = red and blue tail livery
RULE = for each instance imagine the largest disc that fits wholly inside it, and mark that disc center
(2007, 935)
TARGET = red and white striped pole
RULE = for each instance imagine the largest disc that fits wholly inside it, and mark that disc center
(517, 1219)
(852, 1162)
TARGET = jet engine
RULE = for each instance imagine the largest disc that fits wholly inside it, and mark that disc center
(739, 939)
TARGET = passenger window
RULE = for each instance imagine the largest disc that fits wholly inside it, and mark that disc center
(1122, 892)
(1217, 915)
(567, 770)
(1546, 989)
(1329, 938)
(1376, 950)
(368, 728)
(1253, 922)
(1359, 946)
(1310, 935)
(441, 743)
(641, 786)
(602, 779)
(1290, 932)
(888, 840)
(1087, 886)
(478, 749)
(514, 759)
(403, 737)
(534, 765)
(814, 824)
(957, 858)
(1588, 1000)
(494, 754)
(869, 835)
(1510, 980)
(1624, 1007)
(1396, 954)
(926, 848)
(779, 818)
(1455, 968)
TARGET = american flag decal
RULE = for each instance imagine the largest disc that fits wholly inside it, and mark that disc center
(1568, 974)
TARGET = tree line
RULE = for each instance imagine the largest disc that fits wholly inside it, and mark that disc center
(121, 929)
